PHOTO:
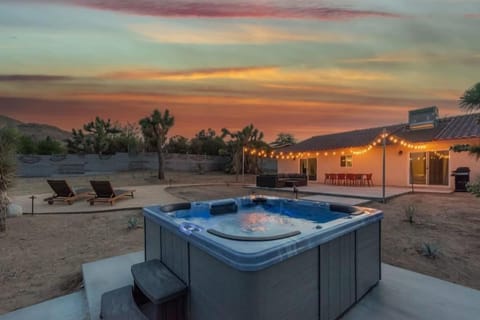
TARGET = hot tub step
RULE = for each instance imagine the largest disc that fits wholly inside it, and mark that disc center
(119, 304)
(156, 284)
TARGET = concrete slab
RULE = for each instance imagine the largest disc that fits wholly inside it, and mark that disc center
(69, 307)
(371, 193)
(325, 198)
(105, 275)
(366, 193)
(403, 294)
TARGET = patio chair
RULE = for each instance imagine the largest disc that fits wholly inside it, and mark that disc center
(64, 193)
(359, 180)
(330, 178)
(341, 178)
(368, 180)
(350, 179)
(105, 193)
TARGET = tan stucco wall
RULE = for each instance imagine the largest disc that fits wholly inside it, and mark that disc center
(397, 164)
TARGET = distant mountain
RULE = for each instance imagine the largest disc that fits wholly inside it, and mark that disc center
(35, 130)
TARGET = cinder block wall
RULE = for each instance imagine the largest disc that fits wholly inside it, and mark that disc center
(44, 166)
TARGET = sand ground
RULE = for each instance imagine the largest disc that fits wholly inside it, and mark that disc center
(41, 255)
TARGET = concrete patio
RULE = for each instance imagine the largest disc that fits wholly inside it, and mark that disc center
(400, 295)
(373, 193)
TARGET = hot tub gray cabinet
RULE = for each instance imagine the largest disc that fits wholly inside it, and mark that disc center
(317, 274)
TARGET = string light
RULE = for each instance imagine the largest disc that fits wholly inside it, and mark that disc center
(392, 139)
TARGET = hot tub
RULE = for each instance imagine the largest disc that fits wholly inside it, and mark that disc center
(267, 258)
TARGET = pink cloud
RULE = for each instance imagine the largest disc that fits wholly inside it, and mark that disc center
(32, 77)
(245, 9)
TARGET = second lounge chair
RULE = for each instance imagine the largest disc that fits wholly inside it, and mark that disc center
(105, 193)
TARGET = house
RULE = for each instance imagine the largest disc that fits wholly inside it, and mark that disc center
(418, 152)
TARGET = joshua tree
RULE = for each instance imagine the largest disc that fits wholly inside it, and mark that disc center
(7, 169)
(101, 133)
(155, 129)
(98, 137)
(248, 137)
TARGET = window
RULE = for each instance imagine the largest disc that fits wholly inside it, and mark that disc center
(346, 161)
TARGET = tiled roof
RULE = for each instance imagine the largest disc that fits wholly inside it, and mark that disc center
(458, 127)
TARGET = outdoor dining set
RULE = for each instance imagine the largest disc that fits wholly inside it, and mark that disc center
(349, 179)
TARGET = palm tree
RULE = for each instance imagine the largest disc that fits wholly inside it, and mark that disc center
(155, 129)
(7, 168)
(470, 101)
(284, 139)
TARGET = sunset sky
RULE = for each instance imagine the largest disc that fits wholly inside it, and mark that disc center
(304, 67)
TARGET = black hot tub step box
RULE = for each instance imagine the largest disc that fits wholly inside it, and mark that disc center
(160, 287)
(119, 304)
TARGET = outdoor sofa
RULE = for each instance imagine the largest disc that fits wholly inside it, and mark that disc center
(281, 180)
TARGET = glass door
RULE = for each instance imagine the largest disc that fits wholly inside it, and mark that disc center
(418, 168)
(309, 168)
(429, 168)
(438, 168)
(312, 169)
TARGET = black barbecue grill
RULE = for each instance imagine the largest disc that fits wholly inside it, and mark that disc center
(462, 177)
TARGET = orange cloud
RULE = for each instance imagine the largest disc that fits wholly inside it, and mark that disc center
(193, 74)
(275, 74)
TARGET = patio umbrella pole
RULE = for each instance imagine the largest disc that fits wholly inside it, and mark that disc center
(384, 145)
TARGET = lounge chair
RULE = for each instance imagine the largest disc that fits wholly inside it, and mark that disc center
(63, 192)
(105, 193)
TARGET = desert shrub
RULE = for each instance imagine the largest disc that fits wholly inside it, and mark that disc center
(50, 146)
(429, 250)
(474, 187)
(132, 223)
(410, 212)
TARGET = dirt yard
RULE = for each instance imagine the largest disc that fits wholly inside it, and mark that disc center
(41, 255)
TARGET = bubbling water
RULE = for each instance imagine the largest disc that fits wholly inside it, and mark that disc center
(257, 222)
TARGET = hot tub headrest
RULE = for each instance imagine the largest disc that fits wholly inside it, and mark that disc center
(260, 199)
(176, 206)
(344, 208)
(223, 207)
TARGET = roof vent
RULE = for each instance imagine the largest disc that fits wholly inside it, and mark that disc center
(424, 118)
